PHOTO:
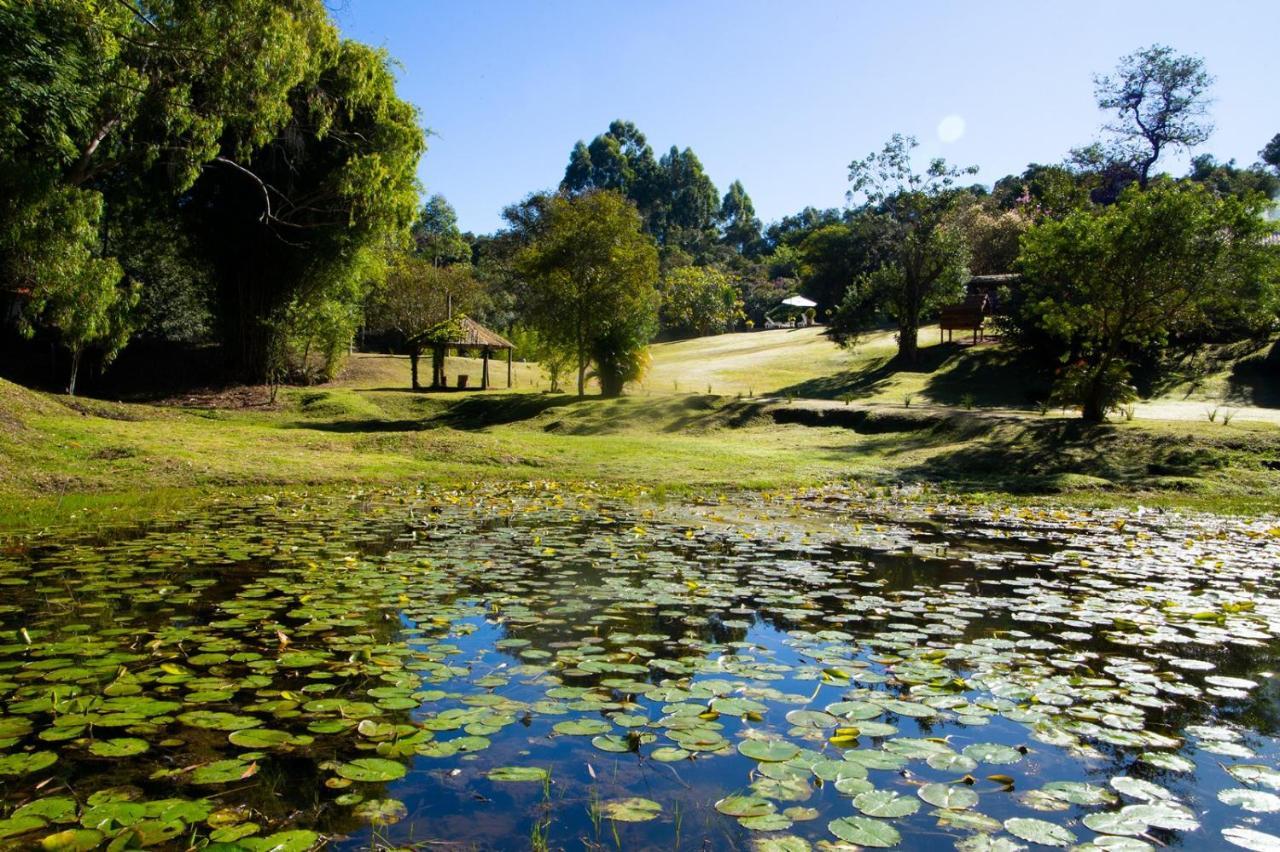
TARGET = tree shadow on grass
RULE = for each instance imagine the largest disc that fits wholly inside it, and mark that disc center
(1255, 380)
(860, 384)
(467, 414)
(988, 376)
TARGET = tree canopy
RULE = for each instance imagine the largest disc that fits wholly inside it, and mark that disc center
(591, 272)
(1111, 282)
(1160, 101)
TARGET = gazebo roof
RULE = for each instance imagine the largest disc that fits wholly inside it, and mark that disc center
(476, 336)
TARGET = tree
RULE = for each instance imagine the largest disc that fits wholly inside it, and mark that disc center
(1112, 282)
(1270, 154)
(738, 220)
(1228, 179)
(1160, 99)
(436, 236)
(991, 236)
(418, 298)
(107, 104)
(924, 256)
(699, 300)
(591, 271)
(688, 204)
(53, 254)
(304, 218)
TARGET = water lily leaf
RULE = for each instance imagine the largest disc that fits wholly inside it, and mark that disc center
(371, 769)
(517, 773)
(217, 721)
(57, 809)
(72, 840)
(951, 762)
(768, 822)
(1165, 760)
(993, 753)
(121, 747)
(267, 738)
(1039, 831)
(1140, 789)
(865, 831)
(885, 803)
(1115, 822)
(14, 826)
(787, 843)
(767, 750)
(1248, 838)
(744, 806)
(634, 809)
(582, 727)
(1258, 801)
(949, 796)
(284, 841)
(1251, 773)
(25, 763)
(223, 772)
(667, 754)
(381, 811)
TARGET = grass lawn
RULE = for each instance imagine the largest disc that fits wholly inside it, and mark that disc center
(64, 458)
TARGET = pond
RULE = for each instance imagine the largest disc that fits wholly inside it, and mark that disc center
(536, 667)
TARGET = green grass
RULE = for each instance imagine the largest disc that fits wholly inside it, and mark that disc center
(65, 460)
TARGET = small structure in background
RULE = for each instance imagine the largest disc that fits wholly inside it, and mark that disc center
(981, 301)
(805, 307)
(470, 336)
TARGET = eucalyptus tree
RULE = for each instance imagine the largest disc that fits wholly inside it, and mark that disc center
(921, 256)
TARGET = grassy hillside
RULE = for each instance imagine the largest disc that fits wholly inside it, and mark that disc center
(804, 363)
(787, 408)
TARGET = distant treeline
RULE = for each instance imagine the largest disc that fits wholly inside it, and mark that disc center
(239, 177)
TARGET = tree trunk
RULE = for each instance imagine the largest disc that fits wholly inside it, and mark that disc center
(75, 370)
(909, 339)
(582, 373)
(1093, 407)
(414, 354)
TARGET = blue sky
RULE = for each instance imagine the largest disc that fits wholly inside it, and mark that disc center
(782, 95)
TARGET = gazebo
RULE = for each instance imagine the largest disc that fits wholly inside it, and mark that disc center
(472, 336)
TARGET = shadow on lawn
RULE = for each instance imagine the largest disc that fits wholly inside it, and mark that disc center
(990, 376)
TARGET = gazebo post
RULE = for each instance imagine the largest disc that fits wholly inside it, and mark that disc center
(508, 369)
(484, 370)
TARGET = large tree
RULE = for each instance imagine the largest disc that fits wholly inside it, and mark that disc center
(923, 254)
(591, 273)
(699, 300)
(1113, 282)
(738, 220)
(303, 219)
(1160, 100)
(436, 236)
(112, 103)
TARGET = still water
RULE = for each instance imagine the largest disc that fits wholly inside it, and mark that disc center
(546, 668)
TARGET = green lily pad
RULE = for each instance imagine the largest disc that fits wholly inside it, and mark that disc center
(634, 809)
(885, 803)
(25, 763)
(517, 773)
(1039, 831)
(949, 796)
(371, 769)
(121, 747)
(771, 751)
(865, 831)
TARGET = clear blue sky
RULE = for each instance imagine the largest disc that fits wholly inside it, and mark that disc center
(782, 94)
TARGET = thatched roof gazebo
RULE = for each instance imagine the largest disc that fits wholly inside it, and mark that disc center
(469, 335)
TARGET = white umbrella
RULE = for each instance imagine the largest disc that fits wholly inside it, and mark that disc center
(799, 302)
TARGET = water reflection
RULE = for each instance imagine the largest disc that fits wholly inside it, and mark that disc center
(451, 636)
